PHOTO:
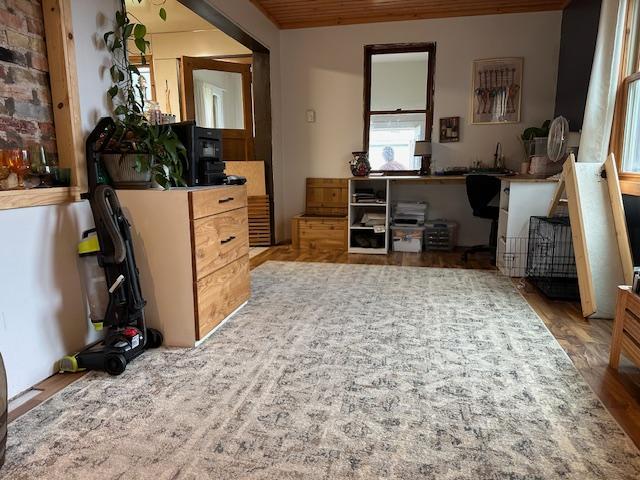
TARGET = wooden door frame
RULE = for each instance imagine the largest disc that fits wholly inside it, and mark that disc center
(189, 64)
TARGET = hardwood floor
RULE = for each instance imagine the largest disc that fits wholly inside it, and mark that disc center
(585, 341)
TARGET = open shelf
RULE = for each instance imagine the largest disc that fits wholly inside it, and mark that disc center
(368, 204)
(36, 197)
(360, 227)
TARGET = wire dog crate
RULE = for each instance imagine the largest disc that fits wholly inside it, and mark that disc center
(551, 264)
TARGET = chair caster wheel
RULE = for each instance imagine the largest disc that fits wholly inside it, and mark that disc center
(154, 338)
(115, 364)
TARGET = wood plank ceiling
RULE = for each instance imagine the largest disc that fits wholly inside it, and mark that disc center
(315, 13)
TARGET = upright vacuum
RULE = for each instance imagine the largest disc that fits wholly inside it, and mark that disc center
(111, 275)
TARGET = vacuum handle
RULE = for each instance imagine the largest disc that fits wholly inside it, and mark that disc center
(227, 240)
(225, 200)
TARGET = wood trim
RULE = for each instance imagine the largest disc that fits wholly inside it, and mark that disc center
(619, 219)
(265, 12)
(619, 116)
(378, 49)
(291, 14)
(630, 187)
(189, 64)
(63, 74)
(583, 267)
(36, 197)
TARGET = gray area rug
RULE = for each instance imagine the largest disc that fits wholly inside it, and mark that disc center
(340, 372)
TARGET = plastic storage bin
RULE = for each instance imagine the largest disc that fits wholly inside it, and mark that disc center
(440, 235)
(407, 239)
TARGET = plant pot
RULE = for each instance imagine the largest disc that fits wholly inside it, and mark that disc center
(3, 411)
(121, 169)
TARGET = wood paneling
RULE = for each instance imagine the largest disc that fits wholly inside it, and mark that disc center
(327, 197)
(65, 96)
(36, 197)
(221, 293)
(314, 13)
(217, 200)
(219, 240)
(259, 221)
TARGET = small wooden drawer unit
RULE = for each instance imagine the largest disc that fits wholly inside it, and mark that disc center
(626, 328)
(192, 249)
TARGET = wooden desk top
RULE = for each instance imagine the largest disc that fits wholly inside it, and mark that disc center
(452, 179)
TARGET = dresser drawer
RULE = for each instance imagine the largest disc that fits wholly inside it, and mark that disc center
(219, 294)
(219, 240)
(212, 201)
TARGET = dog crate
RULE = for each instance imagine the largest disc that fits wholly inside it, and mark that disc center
(551, 264)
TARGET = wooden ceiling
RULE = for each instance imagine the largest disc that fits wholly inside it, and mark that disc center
(316, 13)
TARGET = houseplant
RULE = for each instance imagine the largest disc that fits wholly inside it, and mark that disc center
(143, 151)
(531, 133)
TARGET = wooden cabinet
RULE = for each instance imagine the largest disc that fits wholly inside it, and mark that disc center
(192, 250)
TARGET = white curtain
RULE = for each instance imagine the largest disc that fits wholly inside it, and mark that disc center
(203, 99)
(603, 86)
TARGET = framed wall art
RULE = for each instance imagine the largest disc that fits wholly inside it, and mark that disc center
(497, 90)
(449, 129)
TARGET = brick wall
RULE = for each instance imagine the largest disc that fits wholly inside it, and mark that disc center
(26, 116)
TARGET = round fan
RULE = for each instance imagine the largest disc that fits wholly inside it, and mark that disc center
(558, 139)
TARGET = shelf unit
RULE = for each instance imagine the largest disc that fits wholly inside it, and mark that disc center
(357, 209)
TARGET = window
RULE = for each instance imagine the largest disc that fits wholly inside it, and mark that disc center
(626, 134)
(398, 104)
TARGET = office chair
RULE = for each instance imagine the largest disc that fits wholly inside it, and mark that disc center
(481, 190)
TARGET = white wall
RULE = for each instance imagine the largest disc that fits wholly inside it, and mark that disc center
(322, 69)
(42, 311)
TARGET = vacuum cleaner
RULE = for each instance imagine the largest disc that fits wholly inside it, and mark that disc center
(112, 281)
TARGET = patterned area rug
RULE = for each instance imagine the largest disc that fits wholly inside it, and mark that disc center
(340, 372)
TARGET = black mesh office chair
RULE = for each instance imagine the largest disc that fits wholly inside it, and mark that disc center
(481, 190)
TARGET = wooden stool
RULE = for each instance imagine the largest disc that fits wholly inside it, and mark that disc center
(626, 328)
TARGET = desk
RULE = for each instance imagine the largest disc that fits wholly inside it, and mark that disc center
(448, 191)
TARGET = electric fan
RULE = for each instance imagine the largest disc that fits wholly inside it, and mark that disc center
(558, 139)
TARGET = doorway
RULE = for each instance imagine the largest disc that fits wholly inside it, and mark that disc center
(203, 67)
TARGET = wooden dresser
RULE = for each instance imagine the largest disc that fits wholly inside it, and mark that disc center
(192, 250)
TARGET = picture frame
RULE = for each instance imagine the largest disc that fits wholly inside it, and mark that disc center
(496, 96)
(449, 129)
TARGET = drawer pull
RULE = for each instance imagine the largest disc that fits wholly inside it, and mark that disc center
(225, 200)
(227, 240)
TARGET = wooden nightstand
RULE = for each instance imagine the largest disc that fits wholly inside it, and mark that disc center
(626, 328)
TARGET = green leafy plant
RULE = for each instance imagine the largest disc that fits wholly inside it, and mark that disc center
(530, 133)
(158, 148)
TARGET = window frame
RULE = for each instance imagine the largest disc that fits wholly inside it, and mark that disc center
(630, 73)
(380, 49)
